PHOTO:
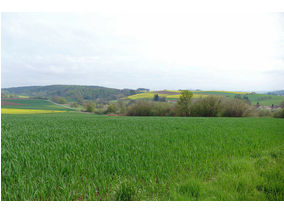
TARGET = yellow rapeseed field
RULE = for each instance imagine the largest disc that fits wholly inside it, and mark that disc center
(26, 111)
(193, 96)
(150, 95)
(145, 95)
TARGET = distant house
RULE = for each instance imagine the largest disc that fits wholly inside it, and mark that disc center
(143, 90)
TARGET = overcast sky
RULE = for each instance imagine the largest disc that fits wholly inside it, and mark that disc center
(242, 52)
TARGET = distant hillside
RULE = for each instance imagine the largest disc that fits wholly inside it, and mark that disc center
(71, 92)
(279, 92)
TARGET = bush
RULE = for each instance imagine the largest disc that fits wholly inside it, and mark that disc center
(90, 107)
(147, 108)
(183, 104)
(279, 113)
(112, 108)
(236, 108)
(264, 113)
(140, 108)
(209, 106)
(59, 100)
(163, 109)
(74, 105)
(121, 107)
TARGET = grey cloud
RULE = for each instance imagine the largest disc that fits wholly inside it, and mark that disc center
(91, 49)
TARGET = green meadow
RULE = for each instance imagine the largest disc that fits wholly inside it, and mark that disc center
(77, 156)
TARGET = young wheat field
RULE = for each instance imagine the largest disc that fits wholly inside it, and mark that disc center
(76, 156)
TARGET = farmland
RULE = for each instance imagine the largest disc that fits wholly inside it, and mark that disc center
(263, 99)
(27, 111)
(76, 156)
(31, 104)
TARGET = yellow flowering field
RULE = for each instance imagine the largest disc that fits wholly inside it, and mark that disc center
(193, 96)
(23, 96)
(27, 111)
(150, 95)
(145, 95)
(196, 94)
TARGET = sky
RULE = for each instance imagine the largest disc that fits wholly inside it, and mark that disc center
(208, 51)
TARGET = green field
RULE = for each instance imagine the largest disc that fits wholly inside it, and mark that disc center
(34, 104)
(76, 156)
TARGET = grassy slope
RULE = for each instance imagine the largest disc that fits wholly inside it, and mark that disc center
(86, 157)
(35, 104)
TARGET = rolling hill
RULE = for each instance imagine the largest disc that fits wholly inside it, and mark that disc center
(97, 93)
(70, 92)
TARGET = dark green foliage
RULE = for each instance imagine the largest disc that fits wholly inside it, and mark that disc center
(159, 98)
(156, 97)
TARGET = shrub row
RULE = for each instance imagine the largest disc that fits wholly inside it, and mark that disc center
(148, 108)
(211, 106)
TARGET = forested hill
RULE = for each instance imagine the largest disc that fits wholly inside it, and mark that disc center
(70, 92)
